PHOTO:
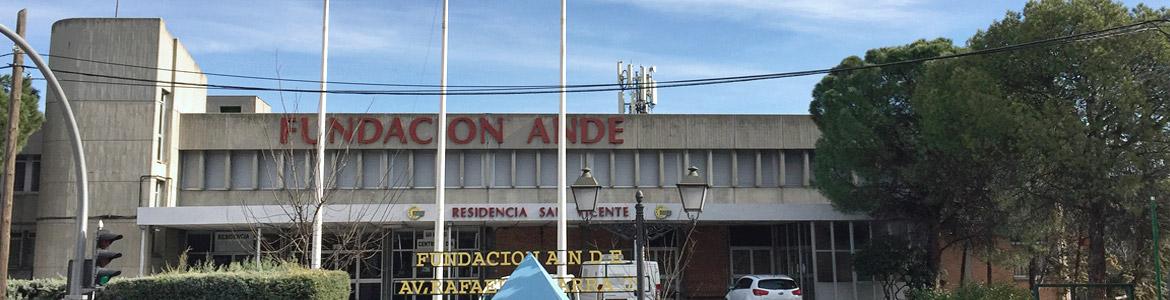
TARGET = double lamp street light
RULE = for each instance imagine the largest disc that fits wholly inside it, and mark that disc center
(692, 191)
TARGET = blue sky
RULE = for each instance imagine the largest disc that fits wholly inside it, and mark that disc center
(505, 42)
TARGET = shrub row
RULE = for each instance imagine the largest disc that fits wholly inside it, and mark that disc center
(280, 282)
(36, 289)
(973, 292)
(292, 284)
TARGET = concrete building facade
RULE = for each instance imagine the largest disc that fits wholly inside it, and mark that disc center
(213, 178)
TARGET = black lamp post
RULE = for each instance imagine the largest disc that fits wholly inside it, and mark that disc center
(585, 191)
(639, 240)
(692, 190)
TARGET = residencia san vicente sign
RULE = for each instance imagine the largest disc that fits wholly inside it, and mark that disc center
(420, 130)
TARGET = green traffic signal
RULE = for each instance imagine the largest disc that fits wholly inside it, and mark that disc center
(102, 256)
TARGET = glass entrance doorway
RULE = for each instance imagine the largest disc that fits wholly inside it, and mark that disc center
(360, 255)
(405, 242)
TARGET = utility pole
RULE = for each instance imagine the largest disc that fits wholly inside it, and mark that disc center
(319, 170)
(440, 237)
(562, 195)
(10, 143)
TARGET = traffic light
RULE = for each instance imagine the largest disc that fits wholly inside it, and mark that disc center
(102, 256)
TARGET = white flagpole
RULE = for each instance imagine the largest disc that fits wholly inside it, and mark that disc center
(440, 237)
(562, 203)
(319, 178)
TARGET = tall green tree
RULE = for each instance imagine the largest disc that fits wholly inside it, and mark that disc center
(30, 117)
(1050, 145)
(874, 157)
(1094, 139)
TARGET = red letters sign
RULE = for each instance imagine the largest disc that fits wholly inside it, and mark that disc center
(521, 212)
(460, 130)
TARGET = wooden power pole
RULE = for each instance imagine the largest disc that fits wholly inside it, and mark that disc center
(10, 149)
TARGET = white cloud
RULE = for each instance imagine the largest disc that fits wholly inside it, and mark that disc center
(813, 16)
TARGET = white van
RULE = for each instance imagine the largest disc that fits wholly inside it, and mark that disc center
(622, 275)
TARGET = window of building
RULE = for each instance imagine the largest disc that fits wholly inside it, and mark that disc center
(835, 243)
(160, 128)
(19, 175)
(769, 168)
(215, 175)
(424, 169)
(27, 176)
(190, 163)
(793, 167)
(751, 250)
(548, 168)
(23, 250)
(399, 168)
(267, 170)
(623, 168)
(745, 168)
(298, 169)
(473, 168)
(34, 180)
(599, 163)
(573, 165)
(502, 168)
(671, 167)
(372, 175)
(750, 260)
(720, 172)
(243, 169)
(648, 168)
(341, 168)
(230, 109)
(159, 193)
(525, 168)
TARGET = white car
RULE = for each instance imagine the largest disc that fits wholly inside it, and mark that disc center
(764, 287)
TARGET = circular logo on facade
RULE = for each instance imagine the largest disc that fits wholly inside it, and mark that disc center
(414, 213)
(661, 212)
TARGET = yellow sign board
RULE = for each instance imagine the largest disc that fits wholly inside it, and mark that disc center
(512, 258)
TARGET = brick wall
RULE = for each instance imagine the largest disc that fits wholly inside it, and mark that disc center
(708, 272)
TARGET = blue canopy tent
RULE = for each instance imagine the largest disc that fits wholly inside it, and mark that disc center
(530, 281)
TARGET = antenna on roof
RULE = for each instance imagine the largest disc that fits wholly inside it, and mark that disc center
(641, 87)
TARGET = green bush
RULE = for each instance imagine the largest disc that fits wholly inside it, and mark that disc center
(973, 292)
(36, 289)
(268, 281)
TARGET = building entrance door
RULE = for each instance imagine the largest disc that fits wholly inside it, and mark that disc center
(751, 260)
(364, 268)
(404, 243)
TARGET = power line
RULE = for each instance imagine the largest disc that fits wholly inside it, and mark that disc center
(585, 88)
(292, 79)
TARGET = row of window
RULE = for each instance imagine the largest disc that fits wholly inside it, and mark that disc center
(28, 174)
(380, 169)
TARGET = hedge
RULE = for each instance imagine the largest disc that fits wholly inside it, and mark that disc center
(974, 292)
(291, 284)
(273, 281)
(36, 289)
